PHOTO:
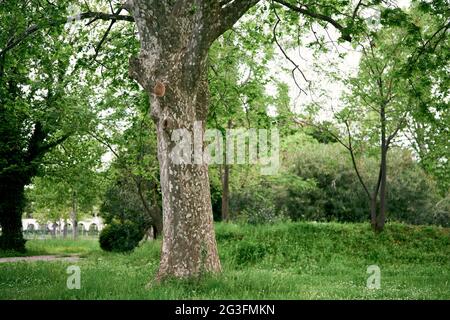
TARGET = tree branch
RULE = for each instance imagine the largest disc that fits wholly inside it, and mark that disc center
(397, 129)
(15, 41)
(352, 154)
(102, 40)
(318, 16)
(46, 147)
(229, 13)
(355, 12)
(348, 146)
(296, 66)
(423, 49)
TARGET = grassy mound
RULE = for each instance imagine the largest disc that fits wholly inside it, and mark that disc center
(281, 261)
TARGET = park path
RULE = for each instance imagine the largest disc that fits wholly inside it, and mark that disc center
(72, 258)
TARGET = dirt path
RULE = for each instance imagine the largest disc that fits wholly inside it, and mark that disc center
(72, 258)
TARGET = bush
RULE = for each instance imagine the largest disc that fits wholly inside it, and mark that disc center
(249, 252)
(120, 237)
(338, 196)
(252, 207)
(318, 182)
(274, 199)
(439, 214)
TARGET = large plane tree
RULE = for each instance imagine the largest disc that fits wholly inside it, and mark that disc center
(172, 66)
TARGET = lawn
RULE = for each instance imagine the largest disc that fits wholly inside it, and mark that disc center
(281, 261)
(62, 247)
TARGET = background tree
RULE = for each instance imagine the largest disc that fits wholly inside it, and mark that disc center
(71, 181)
(381, 100)
(42, 103)
(47, 61)
(239, 77)
(427, 73)
(133, 193)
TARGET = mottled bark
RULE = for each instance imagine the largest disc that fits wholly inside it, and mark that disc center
(175, 38)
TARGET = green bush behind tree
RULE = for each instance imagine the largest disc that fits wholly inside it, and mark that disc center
(317, 182)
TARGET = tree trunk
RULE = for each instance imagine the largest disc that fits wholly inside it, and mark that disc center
(151, 233)
(172, 68)
(382, 214)
(73, 217)
(175, 37)
(189, 246)
(18, 166)
(53, 232)
(157, 217)
(373, 212)
(383, 167)
(157, 221)
(152, 210)
(225, 192)
(12, 201)
(226, 183)
(65, 229)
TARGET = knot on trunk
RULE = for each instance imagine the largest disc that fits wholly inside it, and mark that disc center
(168, 123)
(159, 90)
(142, 69)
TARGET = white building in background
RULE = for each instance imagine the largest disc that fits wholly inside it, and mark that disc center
(94, 223)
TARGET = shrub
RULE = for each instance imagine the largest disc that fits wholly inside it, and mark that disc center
(249, 252)
(122, 202)
(120, 237)
(254, 207)
(318, 182)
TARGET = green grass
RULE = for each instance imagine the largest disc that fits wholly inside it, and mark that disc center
(60, 247)
(282, 261)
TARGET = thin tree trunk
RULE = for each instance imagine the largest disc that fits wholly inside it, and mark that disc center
(154, 211)
(151, 234)
(383, 167)
(382, 214)
(12, 200)
(226, 184)
(373, 212)
(157, 222)
(65, 229)
(73, 217)
(157, 219)
(53, 232)
(225, 192)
